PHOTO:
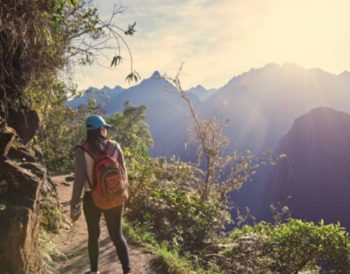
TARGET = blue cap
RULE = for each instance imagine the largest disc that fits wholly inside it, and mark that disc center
(95, 122)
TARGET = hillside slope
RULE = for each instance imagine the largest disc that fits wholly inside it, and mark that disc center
(316, 172)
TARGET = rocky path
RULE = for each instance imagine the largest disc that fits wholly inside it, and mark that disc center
(72, 242)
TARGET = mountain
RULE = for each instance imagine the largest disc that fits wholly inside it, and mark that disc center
(260, 105)
(316, 172)
(167, 114)
(201, 93)
(101, 96)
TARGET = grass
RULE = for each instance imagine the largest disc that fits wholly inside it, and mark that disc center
(48, 249)
(167, 261)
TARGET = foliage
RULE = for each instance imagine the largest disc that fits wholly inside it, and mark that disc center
(62, 129)
(162, 194)
(166, 260)
(48, 249)
(52, 215)
(40, 38)
(219, 172)
(167, 206)
(130, 128)
(29, 46)
(288, 248)
(173, 262)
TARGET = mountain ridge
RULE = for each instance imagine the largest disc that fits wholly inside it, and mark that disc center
(260, 104)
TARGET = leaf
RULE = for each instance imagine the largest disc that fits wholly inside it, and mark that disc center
(52, 5)
(61, 6)
(116, 60)
(131, 29)
(72, 2)
(133, 76)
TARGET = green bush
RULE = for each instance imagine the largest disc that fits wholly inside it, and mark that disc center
(167, 205)
(289, 248)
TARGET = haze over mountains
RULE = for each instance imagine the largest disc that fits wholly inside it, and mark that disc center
(261, 106)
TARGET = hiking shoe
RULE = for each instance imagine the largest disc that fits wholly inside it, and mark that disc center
(127, 271)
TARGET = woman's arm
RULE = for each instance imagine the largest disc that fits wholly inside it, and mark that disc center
(79, 181)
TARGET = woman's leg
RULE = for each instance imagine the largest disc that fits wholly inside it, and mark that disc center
(92, 216)
(114, 225)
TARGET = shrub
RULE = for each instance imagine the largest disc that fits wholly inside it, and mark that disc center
(289, 248)
(168, 206)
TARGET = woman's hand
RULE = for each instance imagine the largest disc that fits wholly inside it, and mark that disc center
(75, 214)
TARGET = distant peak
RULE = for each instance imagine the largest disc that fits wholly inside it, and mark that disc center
(91, 90)
(156, 75)
(197, 88)
(106, 87)
(344, 73)
(290, 65)
(272, 65)
(117, 87)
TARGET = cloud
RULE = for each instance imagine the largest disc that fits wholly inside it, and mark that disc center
(219, 39)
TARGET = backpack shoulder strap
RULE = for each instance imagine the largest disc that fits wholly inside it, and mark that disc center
(85, 146)
(111, 148)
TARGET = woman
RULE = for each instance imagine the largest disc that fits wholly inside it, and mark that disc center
(97, 132)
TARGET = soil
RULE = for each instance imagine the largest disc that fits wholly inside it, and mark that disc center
(72, 244)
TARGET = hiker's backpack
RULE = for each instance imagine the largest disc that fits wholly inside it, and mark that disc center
(109, 181)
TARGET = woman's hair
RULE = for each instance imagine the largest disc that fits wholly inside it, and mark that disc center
(93, 140)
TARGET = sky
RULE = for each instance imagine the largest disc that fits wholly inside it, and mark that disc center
(218, 39)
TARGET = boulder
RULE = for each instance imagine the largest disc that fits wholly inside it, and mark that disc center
(23, 154)
(25, 121)
(20, 193)
(6, 141)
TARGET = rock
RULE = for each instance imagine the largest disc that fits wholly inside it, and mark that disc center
(35, 168)
(21, 154)
(49, 188)
(3, 187)
(69, 179)
(25, 121)
(20, 192)
(38, 152)
(6, 141)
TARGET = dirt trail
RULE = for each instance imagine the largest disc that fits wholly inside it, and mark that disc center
(72, 242)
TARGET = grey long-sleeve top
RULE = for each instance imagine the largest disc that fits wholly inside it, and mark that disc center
(81, 173)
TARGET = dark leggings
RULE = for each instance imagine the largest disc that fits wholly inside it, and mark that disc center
(113, 219)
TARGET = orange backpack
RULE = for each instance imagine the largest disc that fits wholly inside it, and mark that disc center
(109, 182)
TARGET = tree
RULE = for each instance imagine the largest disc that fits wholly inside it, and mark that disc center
(40, 38)
(218, 174)
(131, 129)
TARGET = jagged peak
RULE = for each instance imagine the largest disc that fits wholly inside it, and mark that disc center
(106, 87)
(198, 87)
(117, 88)
(91, 90)
(156, 75)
